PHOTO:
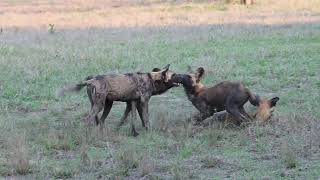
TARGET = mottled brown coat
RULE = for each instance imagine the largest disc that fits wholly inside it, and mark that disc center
(136, 88)
(226, 95)
(160, 87)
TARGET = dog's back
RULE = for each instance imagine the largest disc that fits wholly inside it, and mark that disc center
(217, 95)
(119, 87)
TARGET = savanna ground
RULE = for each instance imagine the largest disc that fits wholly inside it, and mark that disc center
(272, 46)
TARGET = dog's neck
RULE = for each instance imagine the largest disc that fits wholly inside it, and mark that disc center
(194, 96)
(160, 88)
(195, 91)
(152, 82)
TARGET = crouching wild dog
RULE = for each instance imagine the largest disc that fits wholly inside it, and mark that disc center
(226, 95)
(133, 88)
(262, 114)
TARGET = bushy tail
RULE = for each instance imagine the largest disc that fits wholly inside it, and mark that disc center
(73, 88)
(254, 99)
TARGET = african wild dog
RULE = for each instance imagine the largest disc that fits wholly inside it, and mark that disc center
(226, 95)
(262, 114)
(135, 88)
(160, 87)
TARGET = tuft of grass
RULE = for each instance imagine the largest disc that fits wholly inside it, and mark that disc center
(5, 170)
(177, 172)
(60, 141)
(217, 7)
(186, 151)
(19, 157)
(146, 166)
(288, 156)
(64, 172)
(290, 160)
(211, 161)
(128, 158)
(62, 169)
(84, 158)
(214, 136)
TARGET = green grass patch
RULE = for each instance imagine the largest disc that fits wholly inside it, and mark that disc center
(272, 60)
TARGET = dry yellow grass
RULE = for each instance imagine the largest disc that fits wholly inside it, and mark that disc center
(97, 13)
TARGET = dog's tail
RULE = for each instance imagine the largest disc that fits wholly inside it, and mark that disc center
(73, 87)
(254, 99)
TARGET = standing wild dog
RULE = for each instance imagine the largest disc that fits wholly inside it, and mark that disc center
(227, 95)
(134, 88)
(160, 87)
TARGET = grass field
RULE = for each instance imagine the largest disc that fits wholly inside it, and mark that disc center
(272, 46)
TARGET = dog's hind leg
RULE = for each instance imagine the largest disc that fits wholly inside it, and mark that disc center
(125, 115)
(234, 111)
(107, 108)
(133, 113)
(233, 108)
(243, 112)
(89, 93)
(90, 90)
(94, 114)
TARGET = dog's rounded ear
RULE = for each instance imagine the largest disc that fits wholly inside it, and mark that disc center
(273, 101)
(200, 72)
(156, 70)
(166, 67)
(189, 69)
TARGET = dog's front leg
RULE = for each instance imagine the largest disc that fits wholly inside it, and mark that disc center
(145, 113)
(139, 108)
(200, 117)
(125, 115)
